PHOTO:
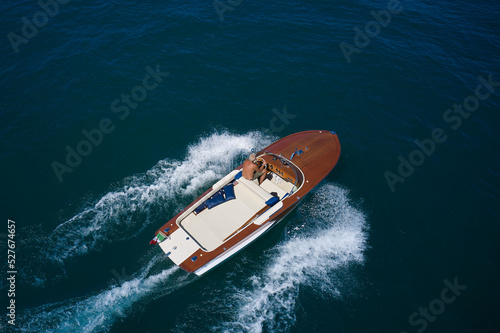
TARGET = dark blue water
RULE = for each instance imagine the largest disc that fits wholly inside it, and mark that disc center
(116, 115)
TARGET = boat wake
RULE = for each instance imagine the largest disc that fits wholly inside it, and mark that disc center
(97, 313)
(123, 213)
(329, 236)
(324, 240)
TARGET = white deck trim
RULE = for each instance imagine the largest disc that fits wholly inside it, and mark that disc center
(233, 250)
(240, 246)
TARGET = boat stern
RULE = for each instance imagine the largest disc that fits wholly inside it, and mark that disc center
(179, 246)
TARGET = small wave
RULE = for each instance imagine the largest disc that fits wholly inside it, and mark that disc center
(123, 213)
(331, 236)
(97, 313)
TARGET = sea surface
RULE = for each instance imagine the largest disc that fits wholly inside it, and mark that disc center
(117, 114)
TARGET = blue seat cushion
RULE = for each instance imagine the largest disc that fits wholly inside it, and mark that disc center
(229, 192)
(200, 208)
(271, 202)
(215, 200)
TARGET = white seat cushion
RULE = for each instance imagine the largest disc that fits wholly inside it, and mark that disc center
(259, 191)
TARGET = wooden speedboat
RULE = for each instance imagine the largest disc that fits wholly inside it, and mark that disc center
(235, 211)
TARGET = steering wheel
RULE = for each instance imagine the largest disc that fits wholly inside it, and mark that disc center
(259, 161)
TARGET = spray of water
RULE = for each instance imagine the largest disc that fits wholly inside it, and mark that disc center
(123, 213)
(329, 234)
(98, 312)
(330, 237)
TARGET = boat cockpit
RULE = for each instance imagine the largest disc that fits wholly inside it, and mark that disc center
(235, 202)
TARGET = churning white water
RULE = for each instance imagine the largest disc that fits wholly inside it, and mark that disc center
(123, 213)
(331, 235)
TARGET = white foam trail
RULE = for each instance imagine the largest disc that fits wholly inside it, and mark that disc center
(332, 236)
(97, 313)
(125, 212)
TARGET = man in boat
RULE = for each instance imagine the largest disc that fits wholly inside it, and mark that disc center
(252, 171)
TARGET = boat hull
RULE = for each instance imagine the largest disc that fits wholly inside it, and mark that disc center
(301, 160)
